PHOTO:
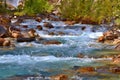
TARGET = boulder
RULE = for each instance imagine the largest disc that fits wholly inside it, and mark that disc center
(2, 40)
(80, 55)
(48, 25)
(51, 42)
(60, 77)
(116, 59)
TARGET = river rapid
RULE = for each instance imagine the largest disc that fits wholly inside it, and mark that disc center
(34, 58)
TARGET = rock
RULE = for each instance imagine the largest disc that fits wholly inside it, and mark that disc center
(80, 55)
(60, 77)
(25, 39)
(39, 27)
(6, 43)
(2, 40)
(101, 39)
(115, 70)
(116, 41)
(25, 26)
(86, 69)
(110, 35)
(51, 33)
(117, 47)
(48, 25)
(16, 34)
(32, 33)
(83, 27)
(116, 59)
(38, 19)
(2, 31)
(51, 42)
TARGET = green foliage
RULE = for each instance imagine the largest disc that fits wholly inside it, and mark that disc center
(96, 10)
(36, 6)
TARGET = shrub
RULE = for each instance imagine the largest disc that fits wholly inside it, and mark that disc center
(36, 6)
(96, 10)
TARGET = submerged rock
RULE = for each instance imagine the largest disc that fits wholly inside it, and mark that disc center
(51, 42)
(25, 39)
(60, 77)
(86, 69)
(39, 27)
(48, 25)
(38, 19)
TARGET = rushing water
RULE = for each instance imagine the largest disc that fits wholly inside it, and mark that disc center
(53, 59)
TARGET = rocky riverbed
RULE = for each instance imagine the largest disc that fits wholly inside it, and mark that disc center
(43, 48)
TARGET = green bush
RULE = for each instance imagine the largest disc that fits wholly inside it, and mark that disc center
(96, 10)
(36, 6)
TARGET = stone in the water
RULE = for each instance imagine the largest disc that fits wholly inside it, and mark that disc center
(2, 40)
(115, 69)
(51, 42)
(101, 39)
(38, 19)
(117, 47)
(86, 69)
(80, 55)
(25, 39)
(48, 25)
(39, 27)
(60, 77)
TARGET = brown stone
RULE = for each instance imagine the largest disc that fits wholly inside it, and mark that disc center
(39, 27)
(16, 34)
(117, 47)
(86, 69)
(38, 19)
(2, 40)
(6, 43)
(70, 22)
(60, 77)
(116, 41)
(115, 69)
(51, 42)
(101, 39)
(48, 25)
(80, 55)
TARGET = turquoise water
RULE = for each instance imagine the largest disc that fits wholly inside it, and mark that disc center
(53, 59)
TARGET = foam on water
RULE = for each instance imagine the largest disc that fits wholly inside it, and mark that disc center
(25, 59)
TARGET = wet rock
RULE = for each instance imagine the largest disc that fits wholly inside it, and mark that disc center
(86, 69)
(116, 41)
(117, 47)
(39, 27)
(61, 33)
(51, 42)
(110, 35)
(60, 77)
(80, 55)
(25, 39)
(32, 33)
(115, 70)
(38, 19)
(116, 59)
(4, 42)
(51, 33)
(83, 27)
(16, 34)
(101, 39)
(2, 31)
(25, 26)
(48, 25)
